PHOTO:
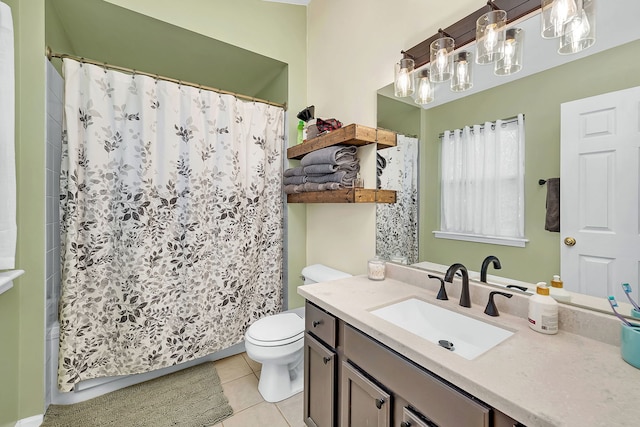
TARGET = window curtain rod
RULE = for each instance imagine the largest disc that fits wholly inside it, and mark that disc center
(50, 54)
(504, 121)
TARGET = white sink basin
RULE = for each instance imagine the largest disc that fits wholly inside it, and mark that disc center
(470, 337)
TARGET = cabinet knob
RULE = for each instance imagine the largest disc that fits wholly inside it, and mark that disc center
(405, 424)
(379, 403)
(326, 359)
(317, 323)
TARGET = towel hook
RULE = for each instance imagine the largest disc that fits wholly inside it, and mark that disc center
(542, 181)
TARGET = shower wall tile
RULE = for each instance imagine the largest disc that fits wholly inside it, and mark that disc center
(53, 149)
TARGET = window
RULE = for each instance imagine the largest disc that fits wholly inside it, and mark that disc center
(482, 183)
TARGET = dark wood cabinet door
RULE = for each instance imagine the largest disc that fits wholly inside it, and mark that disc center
(320, 368)
(363, 402)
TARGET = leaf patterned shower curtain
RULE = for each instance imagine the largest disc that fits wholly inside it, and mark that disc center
(171, 222)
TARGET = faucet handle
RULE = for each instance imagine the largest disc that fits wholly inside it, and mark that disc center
(491, 308)
(442, 293)
(520, 288)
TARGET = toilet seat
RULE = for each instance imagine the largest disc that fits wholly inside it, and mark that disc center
(276, 330)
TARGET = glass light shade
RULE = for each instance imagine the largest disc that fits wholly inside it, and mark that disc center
(441, 51)
(424, 88)
(490, 29)
(403, 83)
(555, 14)
(511, 62)
(462, 67)
(580, 31)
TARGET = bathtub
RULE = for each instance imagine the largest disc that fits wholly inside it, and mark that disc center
(95, 387)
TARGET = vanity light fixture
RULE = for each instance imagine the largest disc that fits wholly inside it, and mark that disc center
(403, 82)
(579, 32)
(462, 67)
(490, 35)
(441, 51)
(424, 87)
(512, 61)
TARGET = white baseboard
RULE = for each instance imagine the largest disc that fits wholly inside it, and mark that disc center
(34, 421)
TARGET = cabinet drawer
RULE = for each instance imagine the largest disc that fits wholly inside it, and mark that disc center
(321, 324)
(443, 404)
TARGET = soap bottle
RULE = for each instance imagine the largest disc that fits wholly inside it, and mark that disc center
(557, 292)
(543, 311)
(300, 132)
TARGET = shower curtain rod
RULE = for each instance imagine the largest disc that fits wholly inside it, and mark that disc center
(504, 122)
(50, 54)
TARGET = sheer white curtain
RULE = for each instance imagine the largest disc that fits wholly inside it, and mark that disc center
(483, 179)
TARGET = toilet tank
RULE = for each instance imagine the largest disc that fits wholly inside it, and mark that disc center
(321, 273)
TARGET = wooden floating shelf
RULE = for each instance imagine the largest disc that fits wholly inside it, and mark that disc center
(352, 134)
(347, 195)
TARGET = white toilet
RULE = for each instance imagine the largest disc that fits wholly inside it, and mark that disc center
(277, 342)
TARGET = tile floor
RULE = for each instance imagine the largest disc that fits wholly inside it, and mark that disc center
(239, 376)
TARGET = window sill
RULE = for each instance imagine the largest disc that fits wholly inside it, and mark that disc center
(6, 279)
(504, 241)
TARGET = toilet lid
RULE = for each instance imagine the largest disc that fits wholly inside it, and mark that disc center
(278, 327)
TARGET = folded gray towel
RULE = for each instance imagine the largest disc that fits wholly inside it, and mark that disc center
(294, 180)
(291, 189)
(334, 155)
(330, 177)
(320, 169)
(294, 171)
(344, 178)
(314, 186)
(552, 218)
(325, 168)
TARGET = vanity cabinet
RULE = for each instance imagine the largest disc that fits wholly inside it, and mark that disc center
(352, 380)
(352, 134)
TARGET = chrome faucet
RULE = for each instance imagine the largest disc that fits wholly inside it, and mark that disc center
(465, 299)
(485, 266)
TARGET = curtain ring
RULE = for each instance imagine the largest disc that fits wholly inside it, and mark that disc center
(156, 78)
(133, 75)
(199, 88)
(104, 67)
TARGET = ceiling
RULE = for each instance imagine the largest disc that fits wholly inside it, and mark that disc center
(108, 33)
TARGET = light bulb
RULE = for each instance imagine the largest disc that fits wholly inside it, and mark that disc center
(509, 51)
(442, 60)
(561, 12)
(462, 69)
(491, 38)
(425, 91)
(403, 83)
(577, 29)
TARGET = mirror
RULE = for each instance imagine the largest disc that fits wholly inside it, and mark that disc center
(613, 66)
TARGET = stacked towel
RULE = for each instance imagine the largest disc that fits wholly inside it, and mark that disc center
(8, 228)
(329, 168)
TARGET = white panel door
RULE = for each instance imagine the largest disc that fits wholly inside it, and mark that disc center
(600, 154)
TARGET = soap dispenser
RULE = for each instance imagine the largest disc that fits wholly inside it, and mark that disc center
(543, 311)
(557, 291)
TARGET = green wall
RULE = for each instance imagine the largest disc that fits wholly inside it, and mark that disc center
(22, 308)
(539, 97)
(398, 116)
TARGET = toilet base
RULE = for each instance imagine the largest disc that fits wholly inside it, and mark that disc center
(281, 381)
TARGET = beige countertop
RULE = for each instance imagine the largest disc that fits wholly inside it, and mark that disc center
(540, 380)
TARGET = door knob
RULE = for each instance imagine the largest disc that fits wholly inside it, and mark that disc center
(569, 241)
